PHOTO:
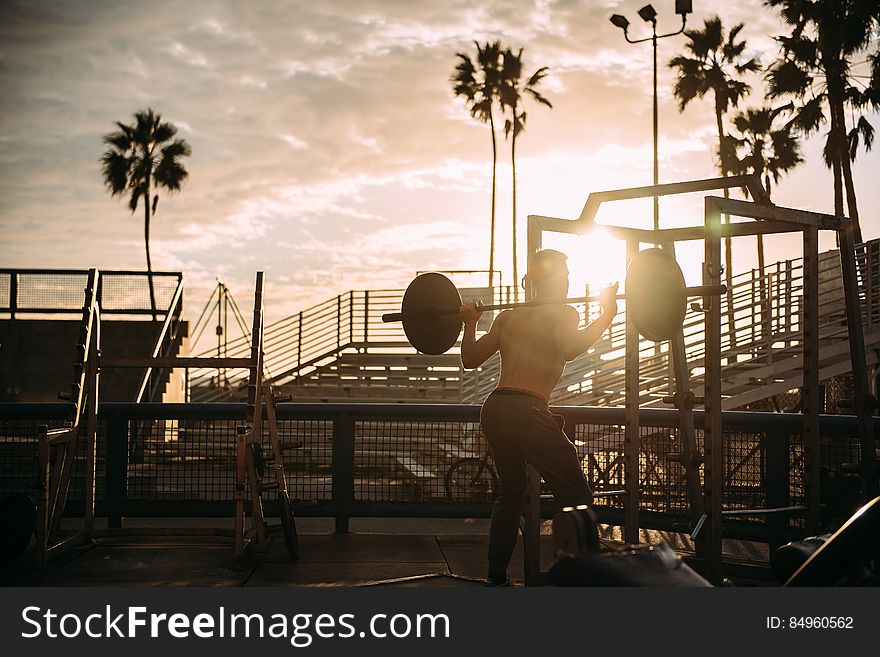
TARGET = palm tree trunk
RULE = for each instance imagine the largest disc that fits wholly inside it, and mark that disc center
(513, 171)
(147, 245)
(492, 228)
(846, 168)
(728, 250)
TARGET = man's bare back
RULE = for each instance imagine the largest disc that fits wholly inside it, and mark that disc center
(535, 342)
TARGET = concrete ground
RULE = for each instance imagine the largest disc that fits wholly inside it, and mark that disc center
(376, 552)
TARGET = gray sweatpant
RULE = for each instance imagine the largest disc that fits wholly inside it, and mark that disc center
(520, 428)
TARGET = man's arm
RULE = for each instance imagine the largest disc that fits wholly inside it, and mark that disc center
(573, 342)
(476, 352)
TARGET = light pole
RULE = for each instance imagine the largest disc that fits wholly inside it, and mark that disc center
(649, 15)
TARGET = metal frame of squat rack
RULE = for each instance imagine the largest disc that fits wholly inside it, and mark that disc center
(248, 437)
(53, 475)
(705, 497)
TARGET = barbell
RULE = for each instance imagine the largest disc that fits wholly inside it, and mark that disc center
(656, 298)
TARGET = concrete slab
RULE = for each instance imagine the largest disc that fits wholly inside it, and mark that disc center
(148, 565)
(362, 548)
(348, 573)
(466, 555)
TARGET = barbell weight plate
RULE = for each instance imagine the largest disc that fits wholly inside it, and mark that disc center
(655, 294)
(288, 524)
(425, 301)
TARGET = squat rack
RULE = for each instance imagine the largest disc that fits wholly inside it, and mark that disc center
(704, 492)
(53, 474)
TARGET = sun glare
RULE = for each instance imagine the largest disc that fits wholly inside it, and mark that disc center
(595, 259)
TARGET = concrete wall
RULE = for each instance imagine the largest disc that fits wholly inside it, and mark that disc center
(36, 358)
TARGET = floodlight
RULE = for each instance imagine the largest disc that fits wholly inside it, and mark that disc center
(684, 7)
(620, 21)
(648, 13)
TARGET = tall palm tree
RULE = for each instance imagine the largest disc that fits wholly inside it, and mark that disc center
(816, 68)
(767, 152)
(715, 62)
(513, 90)
(478, 84)
(142, 157)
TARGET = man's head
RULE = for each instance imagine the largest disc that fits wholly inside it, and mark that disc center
(548, 274)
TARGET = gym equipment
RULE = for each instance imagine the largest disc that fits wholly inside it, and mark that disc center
(656, 297)
(851, 557)
(57, 447)
(791, 556)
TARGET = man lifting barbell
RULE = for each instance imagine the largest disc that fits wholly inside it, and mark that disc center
(536, 339)
(535, 343)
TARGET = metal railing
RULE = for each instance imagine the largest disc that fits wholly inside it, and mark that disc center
(761, 326)
(390, 460)
(60, 291)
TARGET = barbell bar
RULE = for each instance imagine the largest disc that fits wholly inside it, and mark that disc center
(656, 297)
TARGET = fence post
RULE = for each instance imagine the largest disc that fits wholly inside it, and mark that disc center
(777, 487)
(366, 318)
(299, 342)
(338, 323)
(343, 469)
(350, 316)
(116, 465)
(13, 294)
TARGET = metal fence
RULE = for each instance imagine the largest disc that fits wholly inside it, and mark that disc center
(60, 291)
(177, 460)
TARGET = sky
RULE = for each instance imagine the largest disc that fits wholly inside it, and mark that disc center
(329, 150)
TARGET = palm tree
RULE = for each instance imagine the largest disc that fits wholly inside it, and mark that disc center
(715, 63)
(512, 92)
(478, 85)
(816, 69)
(143, 157)
(768, 152)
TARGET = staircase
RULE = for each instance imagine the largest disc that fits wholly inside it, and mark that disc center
(340, 350)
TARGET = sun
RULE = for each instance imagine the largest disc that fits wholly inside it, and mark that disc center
(595, 259)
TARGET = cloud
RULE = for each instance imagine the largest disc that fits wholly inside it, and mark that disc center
(327, 146)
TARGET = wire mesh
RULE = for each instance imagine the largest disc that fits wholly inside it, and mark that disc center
(18, 459)
(59, 291)
(411, 460)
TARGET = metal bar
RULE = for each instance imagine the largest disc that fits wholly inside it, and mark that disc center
(240, 447)
(366, 317)
(796, 219)
(13, 293)
(174, 361)
(713, 437)
(631, 421)
(690, 291)
(41, 537)
(350, 317)
(595, 199)
(160, 339)
(861, 389)
(778, 486)
(343, 469)
(92, 425)
(810, 390)
(115, 477)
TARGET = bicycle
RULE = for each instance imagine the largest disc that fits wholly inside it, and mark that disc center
(472, 479)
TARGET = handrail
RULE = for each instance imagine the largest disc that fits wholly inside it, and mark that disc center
(300, 345)
(174, 310)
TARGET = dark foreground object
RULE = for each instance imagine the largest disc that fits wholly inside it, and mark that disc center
(638, 565)
(849, 557)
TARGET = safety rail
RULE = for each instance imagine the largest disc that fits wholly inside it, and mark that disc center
(390, 460)
(59, 291)
(166, 344)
